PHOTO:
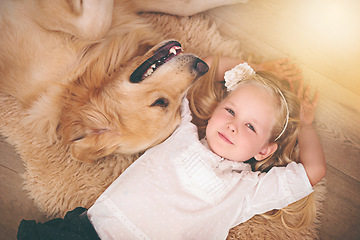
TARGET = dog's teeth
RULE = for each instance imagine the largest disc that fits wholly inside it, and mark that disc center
(173, 51)
(149, 72)
(153, 66)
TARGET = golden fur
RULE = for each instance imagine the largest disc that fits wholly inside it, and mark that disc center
(69, 63)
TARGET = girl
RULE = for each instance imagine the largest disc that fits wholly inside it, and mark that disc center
(207, 94)
(190, 189)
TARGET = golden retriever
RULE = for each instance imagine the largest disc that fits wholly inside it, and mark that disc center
(90, 74)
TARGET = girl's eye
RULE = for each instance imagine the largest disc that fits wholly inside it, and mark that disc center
(230, 111)
(251, 127)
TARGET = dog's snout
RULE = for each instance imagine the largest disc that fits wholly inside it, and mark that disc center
(201, 66)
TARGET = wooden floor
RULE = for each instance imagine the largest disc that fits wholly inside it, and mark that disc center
(323, 37)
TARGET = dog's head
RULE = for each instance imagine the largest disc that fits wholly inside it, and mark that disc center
(136, 108)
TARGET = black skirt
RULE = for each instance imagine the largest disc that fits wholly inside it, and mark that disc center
(75, 226)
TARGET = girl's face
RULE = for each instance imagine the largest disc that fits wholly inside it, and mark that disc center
(241, 124)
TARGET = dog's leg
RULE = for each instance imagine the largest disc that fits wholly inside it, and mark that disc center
(90, 19)
(181, 7)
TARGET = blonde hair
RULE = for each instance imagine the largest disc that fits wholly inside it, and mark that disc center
(205, 95)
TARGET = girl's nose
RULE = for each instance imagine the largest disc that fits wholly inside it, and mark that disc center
(231, 127)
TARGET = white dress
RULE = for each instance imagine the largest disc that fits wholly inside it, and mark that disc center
(179, 189)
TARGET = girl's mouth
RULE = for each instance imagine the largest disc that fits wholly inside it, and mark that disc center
(223, 137)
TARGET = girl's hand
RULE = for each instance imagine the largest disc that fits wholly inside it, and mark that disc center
(311, 153)
(283, 69)
(308, 105)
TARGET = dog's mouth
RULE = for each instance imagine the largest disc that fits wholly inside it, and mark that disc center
(161, 56)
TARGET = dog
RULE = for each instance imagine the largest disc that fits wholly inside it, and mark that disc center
(93, 74)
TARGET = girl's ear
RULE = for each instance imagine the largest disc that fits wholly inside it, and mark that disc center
(266, 151)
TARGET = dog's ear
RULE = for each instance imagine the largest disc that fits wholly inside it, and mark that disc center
(92, 146)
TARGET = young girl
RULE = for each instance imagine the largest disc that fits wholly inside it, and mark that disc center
(205, 96)
(184, 188)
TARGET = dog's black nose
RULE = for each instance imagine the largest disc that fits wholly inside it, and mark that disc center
(201, 66)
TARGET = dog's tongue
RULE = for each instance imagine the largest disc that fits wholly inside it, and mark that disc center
(161, 56)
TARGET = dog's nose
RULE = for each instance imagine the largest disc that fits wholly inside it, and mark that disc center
(201, 66)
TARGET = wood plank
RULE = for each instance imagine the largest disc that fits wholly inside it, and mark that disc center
(9, 158)
(14, 204)
(322, 34)
(341, 213)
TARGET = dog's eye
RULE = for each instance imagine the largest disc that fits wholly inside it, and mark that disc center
(160, 102)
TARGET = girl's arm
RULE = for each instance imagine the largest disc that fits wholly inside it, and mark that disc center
(311, 152)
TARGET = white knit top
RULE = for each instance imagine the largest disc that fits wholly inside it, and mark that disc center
(179, 189)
